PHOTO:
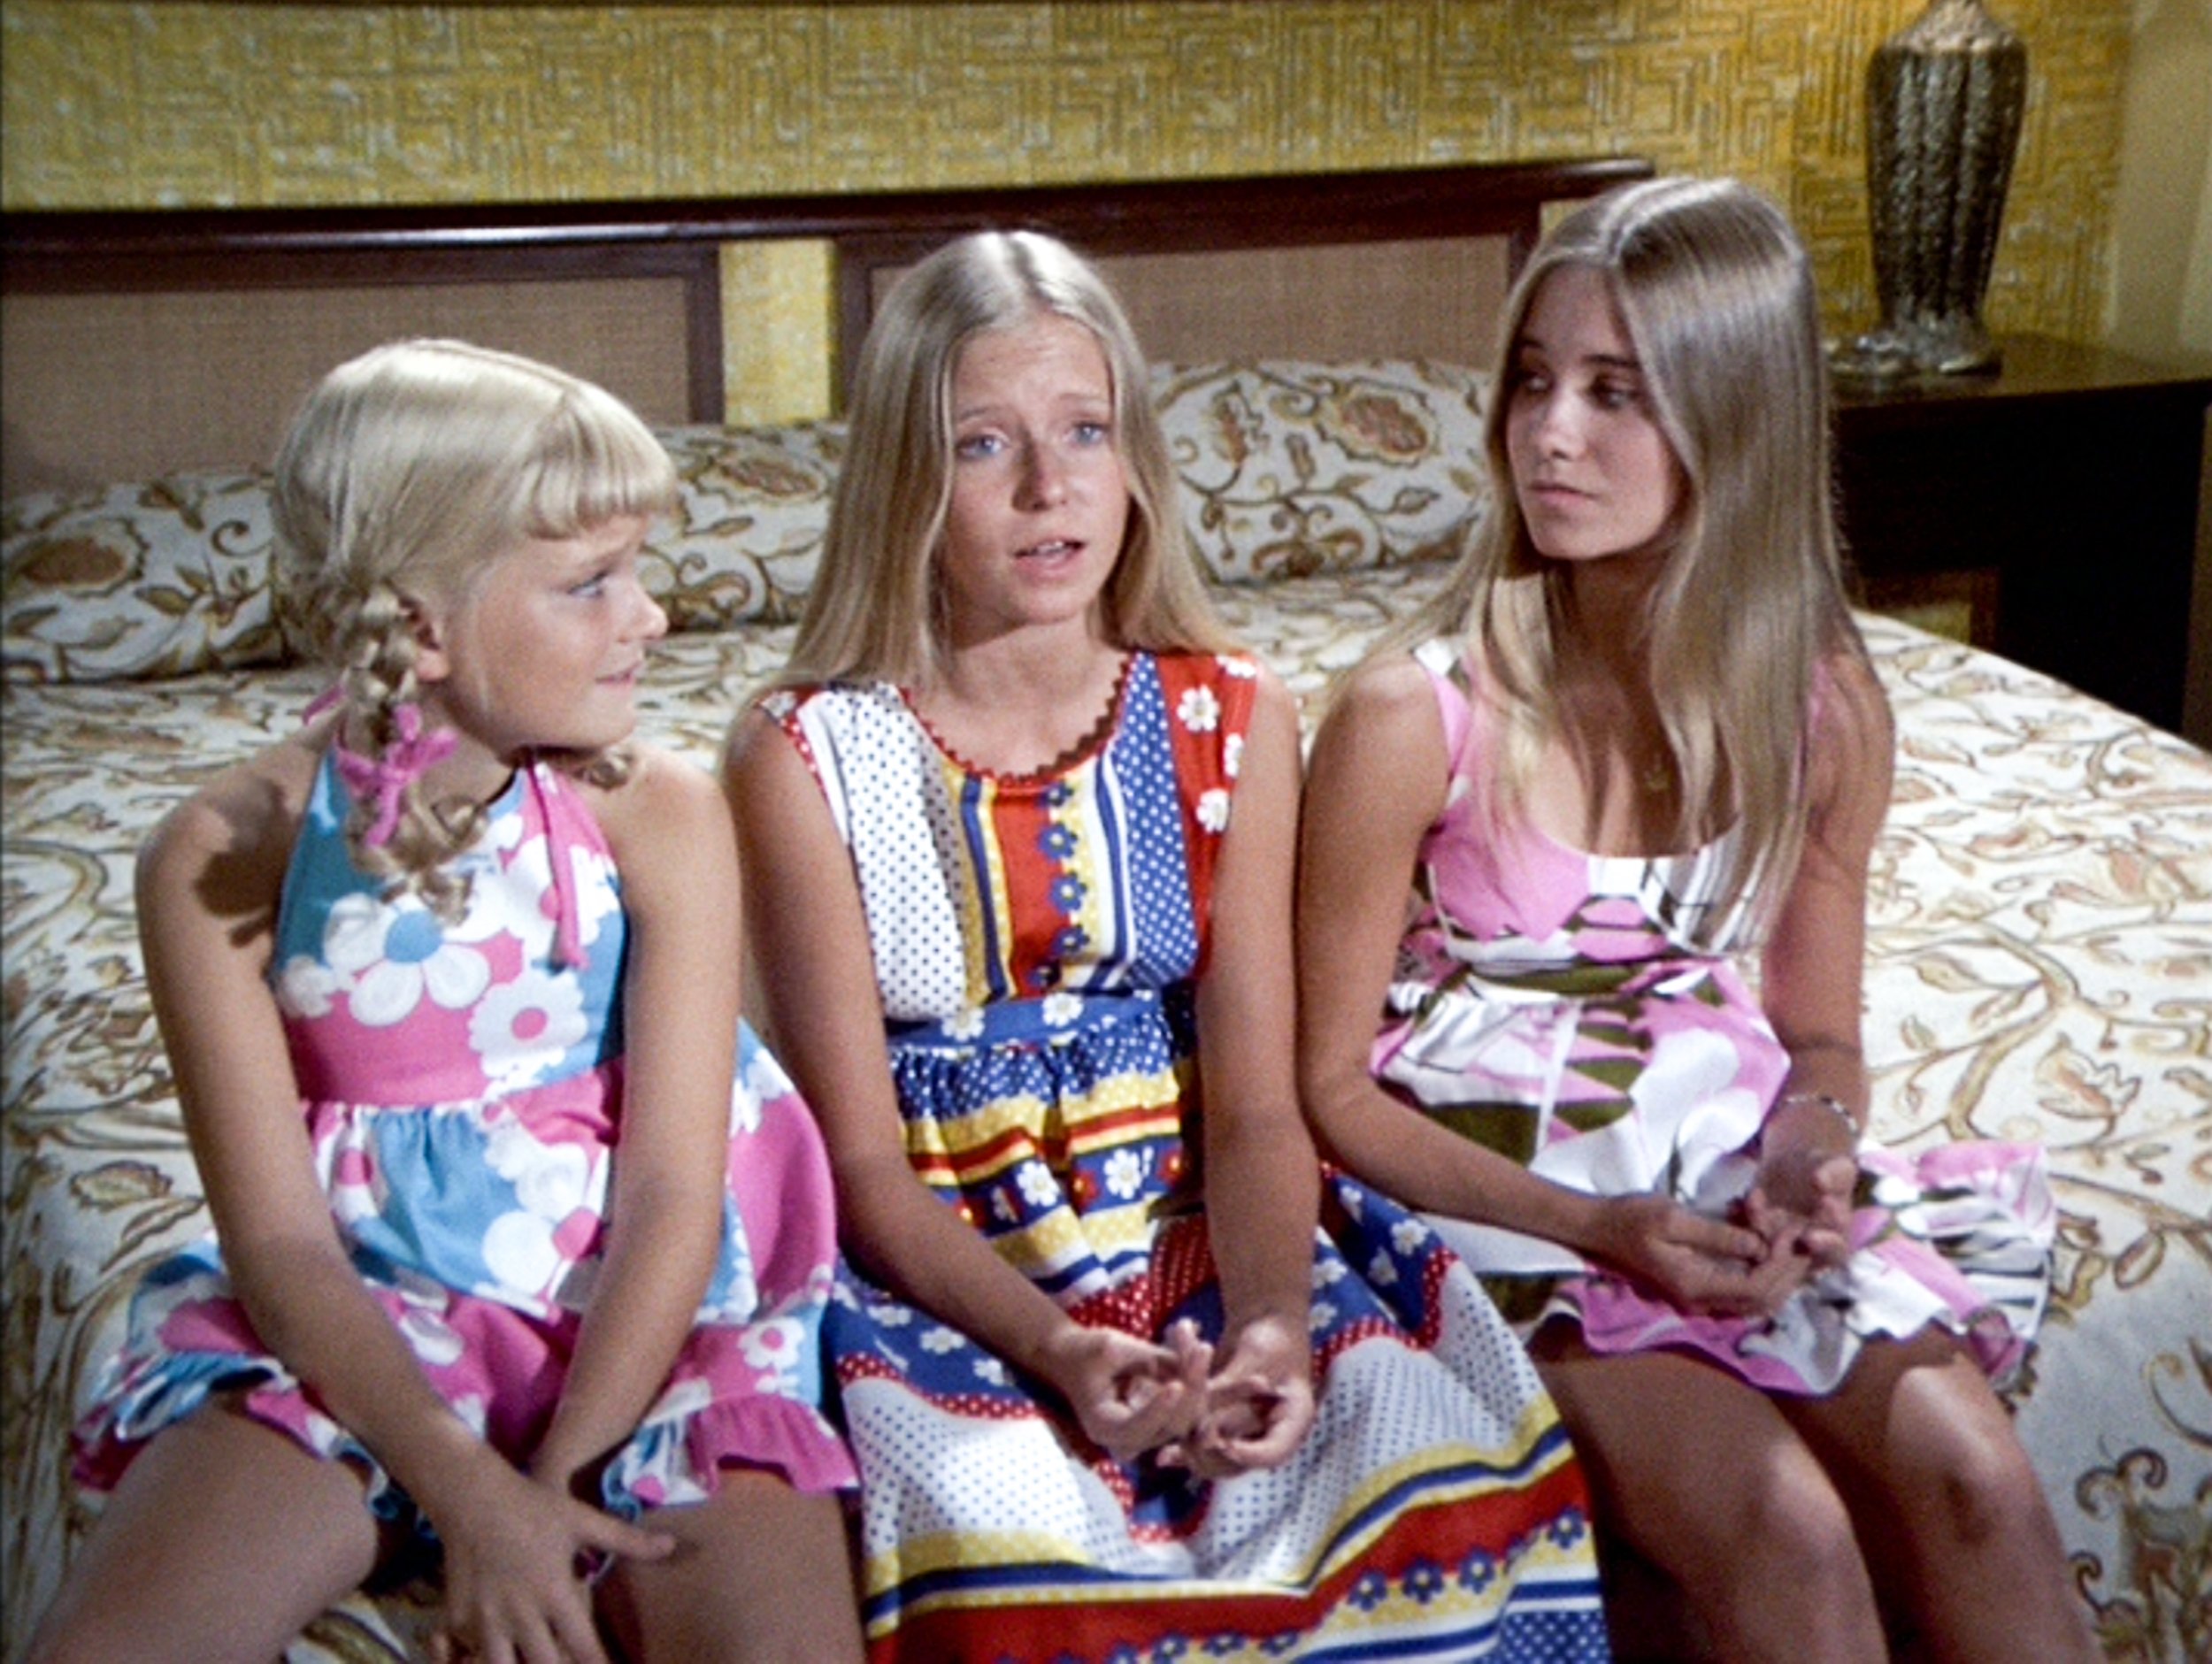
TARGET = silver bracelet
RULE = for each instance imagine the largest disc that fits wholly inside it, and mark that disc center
(1827, 1101)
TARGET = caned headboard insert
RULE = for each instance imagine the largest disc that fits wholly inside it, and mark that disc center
(136, 342)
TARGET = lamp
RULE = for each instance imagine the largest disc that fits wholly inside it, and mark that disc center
(1944, 98)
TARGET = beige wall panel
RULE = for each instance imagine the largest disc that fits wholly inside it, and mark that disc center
(1377, 300)
(209, 381)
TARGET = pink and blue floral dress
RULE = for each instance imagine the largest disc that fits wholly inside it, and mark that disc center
(462, 1083)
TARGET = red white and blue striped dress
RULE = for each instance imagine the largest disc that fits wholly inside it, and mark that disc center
(1036, 943)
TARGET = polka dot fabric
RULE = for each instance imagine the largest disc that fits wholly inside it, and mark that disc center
(1037, 944)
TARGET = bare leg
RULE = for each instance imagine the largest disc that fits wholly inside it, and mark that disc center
(762, 1573)
(224, 1540)
(1931, 1457)
(1702, 1477)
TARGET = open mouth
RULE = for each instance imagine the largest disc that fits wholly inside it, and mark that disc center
(1053, 548)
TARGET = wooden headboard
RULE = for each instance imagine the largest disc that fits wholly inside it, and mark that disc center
(138, 341)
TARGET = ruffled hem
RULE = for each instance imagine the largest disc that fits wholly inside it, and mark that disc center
(1616, 1322)
(1435, 1511)
(675, 1457)
(148, 1400)
(676, 1460)
(1958, 1238)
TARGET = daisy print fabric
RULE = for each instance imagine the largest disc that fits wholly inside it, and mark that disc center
(1038, 942)
(462, 1081)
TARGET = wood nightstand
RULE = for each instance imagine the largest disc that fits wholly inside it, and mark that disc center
(2060, 496)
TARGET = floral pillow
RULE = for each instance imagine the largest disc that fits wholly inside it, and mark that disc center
(170, 577)
(159, 579)
(748, 533)
(1293, 468)
(1288, 469)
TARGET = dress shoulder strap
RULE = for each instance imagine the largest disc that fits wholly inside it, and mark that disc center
(1453, 684)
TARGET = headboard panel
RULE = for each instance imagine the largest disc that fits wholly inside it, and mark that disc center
(1144, 234)
(135, 342)
(207, 381)
(1326, 301)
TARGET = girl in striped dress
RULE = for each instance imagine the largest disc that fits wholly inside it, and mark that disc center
(1126, 1377)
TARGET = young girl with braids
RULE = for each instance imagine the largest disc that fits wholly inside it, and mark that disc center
(1637, 738)
(521, 1243)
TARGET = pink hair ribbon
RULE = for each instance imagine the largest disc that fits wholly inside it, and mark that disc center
(384, 781)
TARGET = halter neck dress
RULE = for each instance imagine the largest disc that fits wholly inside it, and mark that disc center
(462, 1083)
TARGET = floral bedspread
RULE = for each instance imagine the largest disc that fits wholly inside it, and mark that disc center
(2041, 967)
(2041, 957)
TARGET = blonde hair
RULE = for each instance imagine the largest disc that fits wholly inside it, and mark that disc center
(404, 475)
(1716, 294)
(874, 609)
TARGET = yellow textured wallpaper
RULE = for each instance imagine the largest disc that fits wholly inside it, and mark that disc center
(111, 105)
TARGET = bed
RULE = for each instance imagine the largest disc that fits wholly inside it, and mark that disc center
(2040, 963)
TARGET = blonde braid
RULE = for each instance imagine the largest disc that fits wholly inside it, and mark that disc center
(374, 644)
(406, 473)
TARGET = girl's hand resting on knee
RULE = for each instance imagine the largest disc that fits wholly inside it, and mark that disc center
(517, 1550)
(1128, 1395)
(1259, 1405)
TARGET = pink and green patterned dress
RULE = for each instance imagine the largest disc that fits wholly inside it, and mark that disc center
(463, 1090)
(1036, 942)
(1547, 1004)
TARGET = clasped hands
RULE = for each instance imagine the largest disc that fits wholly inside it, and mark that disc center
(1215, 1412)
(1792, 1224)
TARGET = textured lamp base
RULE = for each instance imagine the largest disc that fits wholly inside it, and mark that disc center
(1944, 99)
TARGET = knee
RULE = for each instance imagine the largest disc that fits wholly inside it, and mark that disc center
(1802, 1517)
(1980, 1486)
(1779, 1522)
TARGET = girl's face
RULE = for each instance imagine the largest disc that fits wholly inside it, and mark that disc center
(544, 651)
(1039, 501)
(1593, 473)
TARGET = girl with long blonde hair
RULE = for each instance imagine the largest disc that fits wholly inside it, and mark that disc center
(1123, 1376)
(1636, 739)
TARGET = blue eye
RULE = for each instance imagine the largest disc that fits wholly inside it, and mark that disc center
(974, 447)
(1093, 433)
(591, 588)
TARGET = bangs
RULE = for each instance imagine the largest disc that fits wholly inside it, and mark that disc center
(590, 463)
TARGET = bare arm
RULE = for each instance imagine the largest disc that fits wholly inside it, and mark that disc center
(824, 1017)
(1813, 969)
(673, 844)
(1376, 784)
(1262, 1175)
